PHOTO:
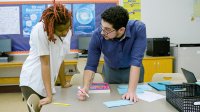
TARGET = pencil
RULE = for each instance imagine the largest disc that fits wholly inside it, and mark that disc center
(79, 88)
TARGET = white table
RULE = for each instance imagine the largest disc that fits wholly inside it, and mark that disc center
(95, 103)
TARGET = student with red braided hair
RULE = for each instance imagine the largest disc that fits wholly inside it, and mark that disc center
(49, 42)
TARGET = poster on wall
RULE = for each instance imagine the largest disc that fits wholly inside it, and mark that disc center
(134, 9)
(31, 14)
(13, 22)
(9, 20)
(83, 18)
(196, 8)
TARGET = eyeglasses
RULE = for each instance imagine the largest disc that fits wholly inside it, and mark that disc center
(106, 31)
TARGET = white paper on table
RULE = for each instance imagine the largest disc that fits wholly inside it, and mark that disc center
(149, 96)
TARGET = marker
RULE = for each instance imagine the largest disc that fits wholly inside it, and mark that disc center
(79, 88)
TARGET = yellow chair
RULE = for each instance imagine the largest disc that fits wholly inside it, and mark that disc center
(77, 79)
(174, 77)
(33, 102)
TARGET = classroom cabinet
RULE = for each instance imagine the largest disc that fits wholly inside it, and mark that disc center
(151, 65)
(154, 65)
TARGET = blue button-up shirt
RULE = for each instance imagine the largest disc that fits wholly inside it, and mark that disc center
(118, 53)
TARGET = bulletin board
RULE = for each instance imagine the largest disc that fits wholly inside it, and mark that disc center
(17, 19)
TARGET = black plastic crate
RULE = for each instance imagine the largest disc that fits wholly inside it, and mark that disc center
(184, 97)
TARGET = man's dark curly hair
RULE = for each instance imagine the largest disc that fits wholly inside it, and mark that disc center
(117, 16)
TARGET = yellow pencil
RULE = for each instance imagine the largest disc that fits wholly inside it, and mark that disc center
(63, 104)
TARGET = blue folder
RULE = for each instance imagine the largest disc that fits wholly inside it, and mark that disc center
(198, 82)
(160, 86)
(122, 89)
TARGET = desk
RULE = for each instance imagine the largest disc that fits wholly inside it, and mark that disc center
(9, 66)
(95, 103)
(18, 64)
(14, 64)
(151, 64)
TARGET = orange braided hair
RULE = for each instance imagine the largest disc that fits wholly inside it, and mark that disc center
(53, 16)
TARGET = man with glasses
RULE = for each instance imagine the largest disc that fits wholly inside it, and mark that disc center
(123, 43)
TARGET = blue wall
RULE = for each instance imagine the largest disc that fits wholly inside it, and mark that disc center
(21, 43)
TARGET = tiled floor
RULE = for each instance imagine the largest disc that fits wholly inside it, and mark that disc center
(12, 102)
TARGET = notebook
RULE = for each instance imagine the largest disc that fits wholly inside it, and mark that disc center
(189, 76)
(99, 88)
(117, 103)
(160, 86)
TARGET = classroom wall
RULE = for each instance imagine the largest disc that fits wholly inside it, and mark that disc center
(170, 18)
(69, 1)
(20, 42)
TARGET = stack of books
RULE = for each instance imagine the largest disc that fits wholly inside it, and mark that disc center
(99, 88)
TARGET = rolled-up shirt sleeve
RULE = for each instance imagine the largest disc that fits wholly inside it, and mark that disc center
(139, 45)
(94, 53)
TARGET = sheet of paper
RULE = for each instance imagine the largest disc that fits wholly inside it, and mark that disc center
(150, 96)
(9, 20)
(117, 103)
